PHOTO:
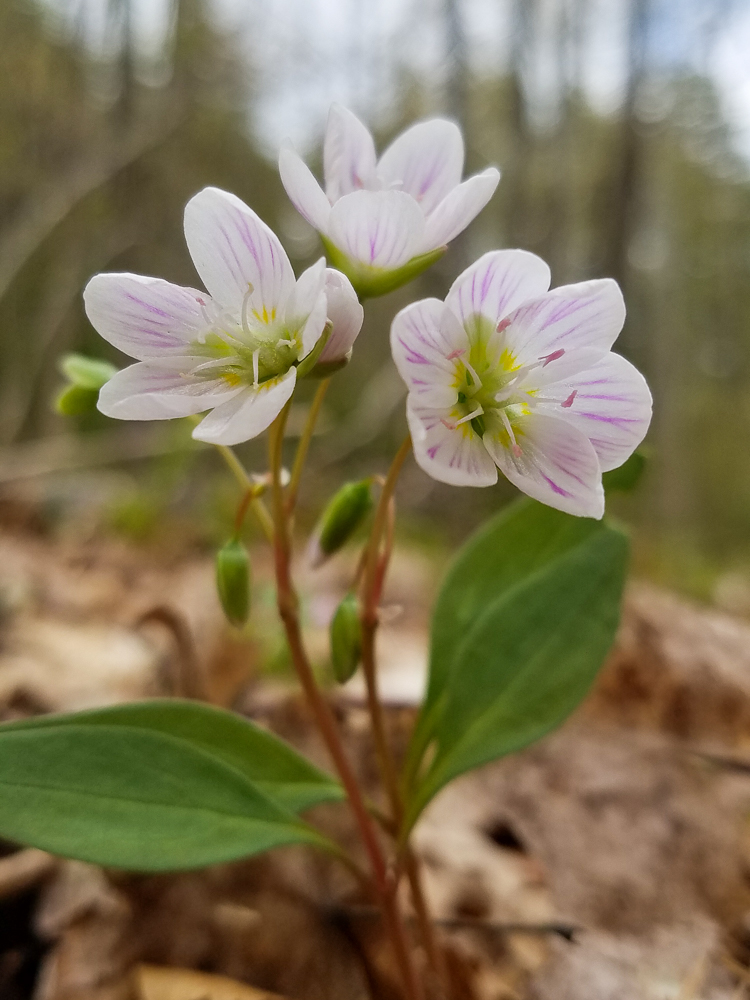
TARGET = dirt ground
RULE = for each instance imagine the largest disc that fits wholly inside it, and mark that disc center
(611, 861)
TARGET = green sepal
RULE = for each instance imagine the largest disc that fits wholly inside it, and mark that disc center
(370, 282)
(233, 581)
(88, 373)
(346, 639)
(309, 361)
(74, 400)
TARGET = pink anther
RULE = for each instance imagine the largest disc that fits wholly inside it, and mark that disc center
(503, 325)
(569, 401)
(456, 354)
(516, 449)
(552, 357)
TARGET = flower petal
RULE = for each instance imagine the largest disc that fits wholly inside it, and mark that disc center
(303, 299)
(497, 284)
(456, 456)
(378, 228)
(557, 464)
(232, 250)
(426, 161)
(144, 317)
(161, 389)
(459, 207)
(571, 317)
(348, 154)
(610, 403)
(424, 335)
(344, 312)
(304, 191)
(249, 413)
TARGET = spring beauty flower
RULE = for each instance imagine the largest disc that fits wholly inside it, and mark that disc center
(234, 351)
(384, 221)
(506, 374)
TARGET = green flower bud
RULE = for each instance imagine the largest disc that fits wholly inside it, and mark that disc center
(346, 639)
(75, 400)
(233, 581)
(368, 281)
(88, 373)
(343, 515)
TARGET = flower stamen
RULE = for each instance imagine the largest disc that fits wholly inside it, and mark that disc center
(514, 446)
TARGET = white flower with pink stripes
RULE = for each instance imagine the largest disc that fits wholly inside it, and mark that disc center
(384, 220)
(235, 351)
(506, 374)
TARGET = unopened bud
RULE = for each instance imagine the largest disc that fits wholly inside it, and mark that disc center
(75, 400)
(346, 639)
(343, 515)
(85, 378)
(233, 581)
(88, 373)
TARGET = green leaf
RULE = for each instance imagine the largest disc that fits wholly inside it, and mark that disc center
(527, 659)
(627, 476)
(518, 541)
(133, 798)
(275, 768)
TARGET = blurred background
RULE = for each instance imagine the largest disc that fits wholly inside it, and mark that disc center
(622, 128)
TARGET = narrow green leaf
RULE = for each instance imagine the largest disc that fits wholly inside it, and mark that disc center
(274, 767)
(133, 798)
(527, 660)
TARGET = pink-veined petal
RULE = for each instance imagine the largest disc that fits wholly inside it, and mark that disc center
(304, 295)
(304, 192)
(348, 154)
(557, 464)
(161, 389)
(378, 228)
(345, 314)
(426, 161)
(144, 317)
(497, 284)
(610, 403)
(459, 207)
(426, 340)
(249, 413)
(588, 315)
(455, 456)
(233, 251)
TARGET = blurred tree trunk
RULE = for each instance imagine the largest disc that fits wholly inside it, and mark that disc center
(624, 207)
(516, 179)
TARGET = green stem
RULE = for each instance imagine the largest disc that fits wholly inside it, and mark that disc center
(304, 444)
(256, 504)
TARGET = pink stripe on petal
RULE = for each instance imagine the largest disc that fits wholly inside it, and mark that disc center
(498, 283)
(144, 317)
(232, 250)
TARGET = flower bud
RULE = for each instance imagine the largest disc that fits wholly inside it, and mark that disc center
(343, 515)
(88, 373)
(346, 639)
(345, 314)
(74, 400)
(233, 581)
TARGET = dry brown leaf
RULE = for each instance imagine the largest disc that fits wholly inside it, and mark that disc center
(155, 982)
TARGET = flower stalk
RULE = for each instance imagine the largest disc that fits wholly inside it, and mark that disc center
(288, 605)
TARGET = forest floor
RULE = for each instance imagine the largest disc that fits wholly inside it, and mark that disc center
(610, 861)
